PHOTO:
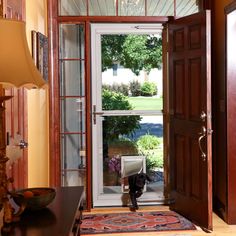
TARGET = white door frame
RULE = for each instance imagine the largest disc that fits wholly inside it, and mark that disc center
(97, 29)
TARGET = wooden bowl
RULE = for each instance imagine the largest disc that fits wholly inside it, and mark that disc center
(34, 198)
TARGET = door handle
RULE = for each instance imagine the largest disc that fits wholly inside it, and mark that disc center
(95, 113)
(22, 144)
(202, 135)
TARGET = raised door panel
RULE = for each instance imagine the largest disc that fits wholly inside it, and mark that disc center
(179, 89)
(194, 65)
(196, 173)
(180, 163)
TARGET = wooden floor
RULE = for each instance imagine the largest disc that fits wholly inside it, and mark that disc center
(220, 228)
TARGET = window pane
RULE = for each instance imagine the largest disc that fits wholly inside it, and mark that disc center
(72, 150)
(72, 115)
(72, 8)
(131, 8)
(184, 8)
(125, 136)
(102, 7)
(71, 41)
(160, 8)
(74, 178)
(72, 78)
(73, 160)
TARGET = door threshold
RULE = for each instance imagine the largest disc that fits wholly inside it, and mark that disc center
(165, 201)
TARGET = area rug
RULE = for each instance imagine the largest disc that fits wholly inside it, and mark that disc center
(134, 222)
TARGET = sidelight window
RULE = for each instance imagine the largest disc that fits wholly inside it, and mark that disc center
(72, 104)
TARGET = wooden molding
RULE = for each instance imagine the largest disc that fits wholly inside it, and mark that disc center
(1, 8)
(231, 7)
(230, 33)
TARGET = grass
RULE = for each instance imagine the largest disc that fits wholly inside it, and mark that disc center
(146, 103)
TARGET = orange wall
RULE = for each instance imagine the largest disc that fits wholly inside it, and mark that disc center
(38, 154)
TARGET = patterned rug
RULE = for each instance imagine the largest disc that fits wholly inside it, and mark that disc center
(134, 222)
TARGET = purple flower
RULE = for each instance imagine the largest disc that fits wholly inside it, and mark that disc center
(114, 164)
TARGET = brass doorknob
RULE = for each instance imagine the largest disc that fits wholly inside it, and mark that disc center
(22, 144)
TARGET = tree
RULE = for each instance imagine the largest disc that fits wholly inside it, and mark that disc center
(111, 50)
(136, 52)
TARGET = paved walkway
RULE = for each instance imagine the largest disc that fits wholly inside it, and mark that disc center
(150, 125)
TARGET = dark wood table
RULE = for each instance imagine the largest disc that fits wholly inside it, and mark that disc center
(60, 218)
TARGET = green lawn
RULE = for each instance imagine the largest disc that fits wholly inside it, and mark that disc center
(146, 103)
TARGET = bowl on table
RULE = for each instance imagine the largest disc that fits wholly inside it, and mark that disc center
(34, 198)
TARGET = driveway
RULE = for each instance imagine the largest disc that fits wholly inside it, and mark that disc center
(149, 125)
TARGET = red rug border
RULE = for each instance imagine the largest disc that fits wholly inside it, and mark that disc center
(138, 231)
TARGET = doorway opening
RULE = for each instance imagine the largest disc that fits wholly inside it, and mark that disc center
(127, 110)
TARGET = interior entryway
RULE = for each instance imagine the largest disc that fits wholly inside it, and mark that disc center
(189, 118)
(123, 124)
(187, 112)
(72, 99)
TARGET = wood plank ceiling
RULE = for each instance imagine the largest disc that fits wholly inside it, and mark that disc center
(128, 7)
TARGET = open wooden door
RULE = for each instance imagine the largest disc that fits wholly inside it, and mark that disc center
(190, 118)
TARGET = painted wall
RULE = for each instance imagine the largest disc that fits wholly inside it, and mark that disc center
(38, 151)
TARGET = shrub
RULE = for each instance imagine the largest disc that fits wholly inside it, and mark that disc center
(118, 88)
(106, 87)
(154, 160)
(123, 142)
(148, 141)
(148, 89)
(148, 145)
(135, 88)
(116, 126)
(121, 88)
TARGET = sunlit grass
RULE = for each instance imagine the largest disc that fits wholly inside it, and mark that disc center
(146, 103)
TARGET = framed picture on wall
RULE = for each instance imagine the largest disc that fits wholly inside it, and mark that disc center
(40, 52)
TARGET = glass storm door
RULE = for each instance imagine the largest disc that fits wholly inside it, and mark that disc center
(125, 120)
